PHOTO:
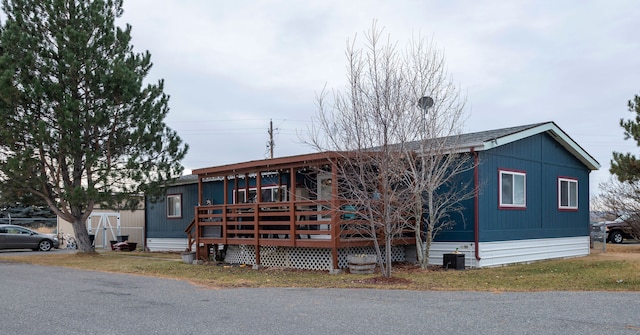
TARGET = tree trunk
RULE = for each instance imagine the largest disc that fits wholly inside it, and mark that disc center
(82, 237)
(387, 247)
(418, 232)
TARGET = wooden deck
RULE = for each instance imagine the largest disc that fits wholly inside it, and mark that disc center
(306, 212)
(297, 224)
(286, 224)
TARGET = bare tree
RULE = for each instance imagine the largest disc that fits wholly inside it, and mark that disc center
(620, 199)
(393, 168)
(439, 191)
(436, 177)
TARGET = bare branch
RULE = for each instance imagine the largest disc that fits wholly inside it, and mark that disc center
(400, 168)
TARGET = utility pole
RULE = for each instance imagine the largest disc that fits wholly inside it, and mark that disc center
(271, 143)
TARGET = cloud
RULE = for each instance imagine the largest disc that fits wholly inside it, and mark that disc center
(232, 66)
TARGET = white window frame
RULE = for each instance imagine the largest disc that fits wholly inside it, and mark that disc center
(518, 201)
(240, 194)
(174, 206)
(571, 204)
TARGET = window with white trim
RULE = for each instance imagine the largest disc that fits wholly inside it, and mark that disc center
(567, 193)
(174, 205)
(269, 194)
(513, 189)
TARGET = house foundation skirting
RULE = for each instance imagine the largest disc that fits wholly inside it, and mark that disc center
(500, 253)
(166, 244)
(300, 258)
(527, 251)
(491, 253)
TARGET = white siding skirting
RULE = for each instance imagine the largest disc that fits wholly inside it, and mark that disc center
(513, 252)
(166, 244)
(491, 253)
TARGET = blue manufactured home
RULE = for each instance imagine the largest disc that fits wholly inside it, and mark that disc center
(532, 204)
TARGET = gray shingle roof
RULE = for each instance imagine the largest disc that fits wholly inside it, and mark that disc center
(471, 139)
(186, 179)
(485, 140)
(468, 140)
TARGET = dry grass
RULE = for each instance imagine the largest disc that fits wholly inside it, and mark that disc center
(616, 270)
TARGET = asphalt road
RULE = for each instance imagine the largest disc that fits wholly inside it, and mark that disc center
(53, 300)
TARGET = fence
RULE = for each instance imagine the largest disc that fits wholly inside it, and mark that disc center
(43, 225)
(598, 236)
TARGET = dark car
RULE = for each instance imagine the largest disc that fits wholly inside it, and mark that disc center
(619, 230)
(18, 237)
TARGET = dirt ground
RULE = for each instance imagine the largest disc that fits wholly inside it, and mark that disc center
(629, 250)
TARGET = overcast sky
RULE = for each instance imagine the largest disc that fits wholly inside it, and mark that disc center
(231, 66)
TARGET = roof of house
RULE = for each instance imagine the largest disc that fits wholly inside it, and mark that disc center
(478, 141)
(267, 164)
(186, 179)
(486, 140)
(472, 139)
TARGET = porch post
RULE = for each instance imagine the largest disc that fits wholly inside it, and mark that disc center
(256, 215)
(335, 227)
(292, 206)
(196, 217)
(225, 190)
(199, 191)
(246, 187)
(225, 201)
(259, 186)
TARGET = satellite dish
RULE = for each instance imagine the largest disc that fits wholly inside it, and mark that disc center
(425, 102)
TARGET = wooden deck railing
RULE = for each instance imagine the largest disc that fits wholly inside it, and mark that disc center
(294, 224)
(191, 236)
(306, 224)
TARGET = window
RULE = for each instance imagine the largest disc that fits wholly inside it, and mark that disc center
(269, 194)
(17, 231)
(567, 193)
(174, 205)
(513, 189)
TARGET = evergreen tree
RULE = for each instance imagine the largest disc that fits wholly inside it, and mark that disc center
(79, 127)
(626, 166)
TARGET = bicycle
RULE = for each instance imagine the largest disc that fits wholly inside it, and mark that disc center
(71, 241)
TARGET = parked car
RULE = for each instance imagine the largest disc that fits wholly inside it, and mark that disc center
(18, 237)
(619, 229)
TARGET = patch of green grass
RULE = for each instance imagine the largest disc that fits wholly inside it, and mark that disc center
(558, 275)
(592, 273)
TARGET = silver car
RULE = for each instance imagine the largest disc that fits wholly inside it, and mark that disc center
(18, 237)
